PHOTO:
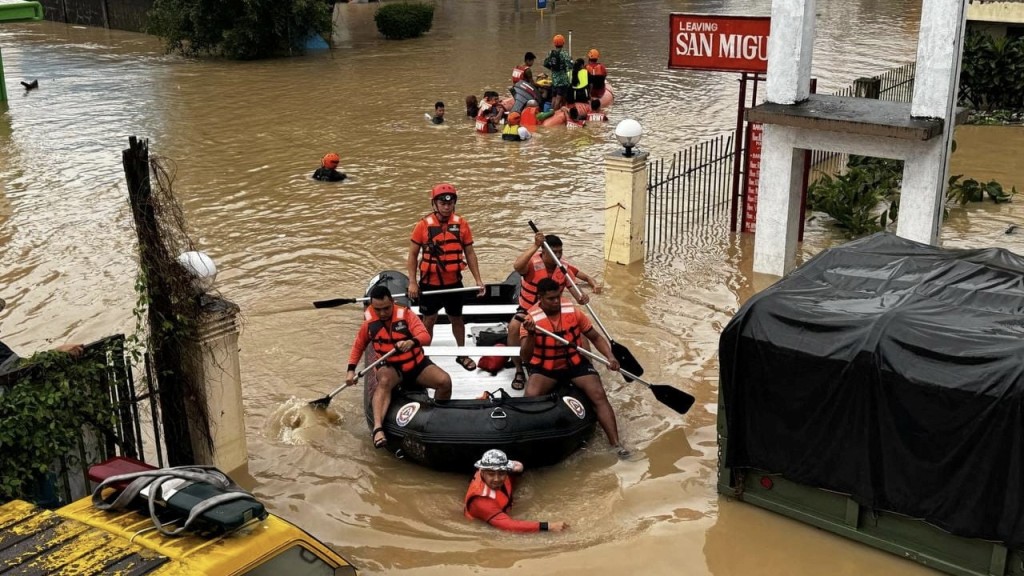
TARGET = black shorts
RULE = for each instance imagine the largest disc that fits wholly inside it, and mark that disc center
(452, 303)
(407, 380)
(584, 368)
(563, 91)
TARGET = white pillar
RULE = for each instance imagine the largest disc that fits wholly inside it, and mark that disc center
(219, 373)
(625, 187)
(925, 173)
(790, 50)
(778, 201)
(923, 192)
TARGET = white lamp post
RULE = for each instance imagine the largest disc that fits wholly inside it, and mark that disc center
(202, 268)
(629, 132)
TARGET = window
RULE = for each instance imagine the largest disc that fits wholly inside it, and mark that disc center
(295, 561)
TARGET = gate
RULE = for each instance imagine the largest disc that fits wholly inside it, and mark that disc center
(689, 189)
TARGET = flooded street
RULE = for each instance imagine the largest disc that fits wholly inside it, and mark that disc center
(244, 138)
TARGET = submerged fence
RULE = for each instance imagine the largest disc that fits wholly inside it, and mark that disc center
(690, 188)
(895, 85)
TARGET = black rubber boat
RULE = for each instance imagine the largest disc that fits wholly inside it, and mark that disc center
(452, 435)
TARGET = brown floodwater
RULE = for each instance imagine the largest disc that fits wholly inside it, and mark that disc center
(244, 138)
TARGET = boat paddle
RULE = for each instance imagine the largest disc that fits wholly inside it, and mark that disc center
(670, 396)
(621, 353)
(334, 303)
(326, 400)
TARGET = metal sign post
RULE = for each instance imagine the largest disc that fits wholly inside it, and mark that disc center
(727, 44)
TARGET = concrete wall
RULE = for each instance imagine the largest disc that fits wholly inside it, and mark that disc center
(1003, 12)
(118, 14)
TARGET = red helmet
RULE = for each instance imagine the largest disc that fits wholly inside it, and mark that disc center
(330, 160)
(558, 40)
(443, 189)
(593, 54)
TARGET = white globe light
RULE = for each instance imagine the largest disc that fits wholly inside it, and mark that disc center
(202, 268)
(628, 133)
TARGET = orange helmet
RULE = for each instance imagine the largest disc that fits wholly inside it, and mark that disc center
(513, 118)
(559, 40)
(330, 160)
(593, 54)
(444, 191)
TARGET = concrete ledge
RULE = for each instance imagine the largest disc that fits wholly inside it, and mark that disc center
(847, 114)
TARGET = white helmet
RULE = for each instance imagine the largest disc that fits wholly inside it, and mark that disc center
(494, 460)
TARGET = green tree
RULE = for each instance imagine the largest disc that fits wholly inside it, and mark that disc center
(239, 29)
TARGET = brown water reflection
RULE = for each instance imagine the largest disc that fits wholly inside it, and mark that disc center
(244, 138)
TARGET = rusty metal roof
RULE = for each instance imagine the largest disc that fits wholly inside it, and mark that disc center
(38, 541)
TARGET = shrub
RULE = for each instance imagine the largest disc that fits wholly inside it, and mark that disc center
(970, 190)
(42, 412)
(992, 72)
(239, 29)
(404, 20)
(863, 200)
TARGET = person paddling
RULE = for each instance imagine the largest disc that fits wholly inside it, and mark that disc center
(552, 362)
(489, 496)
(387, 326)
(533, 265)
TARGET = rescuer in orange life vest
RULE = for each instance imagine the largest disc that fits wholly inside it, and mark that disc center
(596, 73)
(441, 247)
(534, 264)
(490, 495)
(387, 325)
(552, 362)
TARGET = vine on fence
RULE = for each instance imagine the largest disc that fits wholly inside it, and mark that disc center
(43, 406)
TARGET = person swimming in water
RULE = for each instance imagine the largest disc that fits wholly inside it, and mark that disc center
(328, 170)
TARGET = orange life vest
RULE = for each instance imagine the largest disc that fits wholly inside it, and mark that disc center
(385, 336)
(528, 119)
(548, 353)
(479, 489)
(570, 123)
(536, 271)
(517, 72)
(443, 250)
(597, 117)
(597, 73)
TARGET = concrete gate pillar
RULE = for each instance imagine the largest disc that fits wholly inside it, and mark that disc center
(625, 207)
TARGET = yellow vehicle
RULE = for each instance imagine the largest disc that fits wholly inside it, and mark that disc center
(82, 539)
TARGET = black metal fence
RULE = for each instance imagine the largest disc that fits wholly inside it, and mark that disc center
(894, 85)
(690, 188)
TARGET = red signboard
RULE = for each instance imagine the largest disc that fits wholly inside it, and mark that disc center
(754, 130)
(726, 43)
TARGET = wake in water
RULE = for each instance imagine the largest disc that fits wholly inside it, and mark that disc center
(297, 423)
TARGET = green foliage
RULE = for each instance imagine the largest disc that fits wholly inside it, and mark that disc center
(970, 190)
(404, 20)
(42, 411)
(863, 200)
(239, 29)
(992, 72)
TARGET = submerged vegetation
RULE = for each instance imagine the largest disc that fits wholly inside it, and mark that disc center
(866, 197)
(238, 29)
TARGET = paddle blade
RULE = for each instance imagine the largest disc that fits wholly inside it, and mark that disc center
(626, 360)
(333, 303)
(321, 403)
(674, 398)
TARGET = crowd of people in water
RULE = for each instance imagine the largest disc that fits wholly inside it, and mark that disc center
(573, 87)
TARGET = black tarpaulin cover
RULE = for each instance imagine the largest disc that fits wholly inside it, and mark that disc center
(891, 371)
